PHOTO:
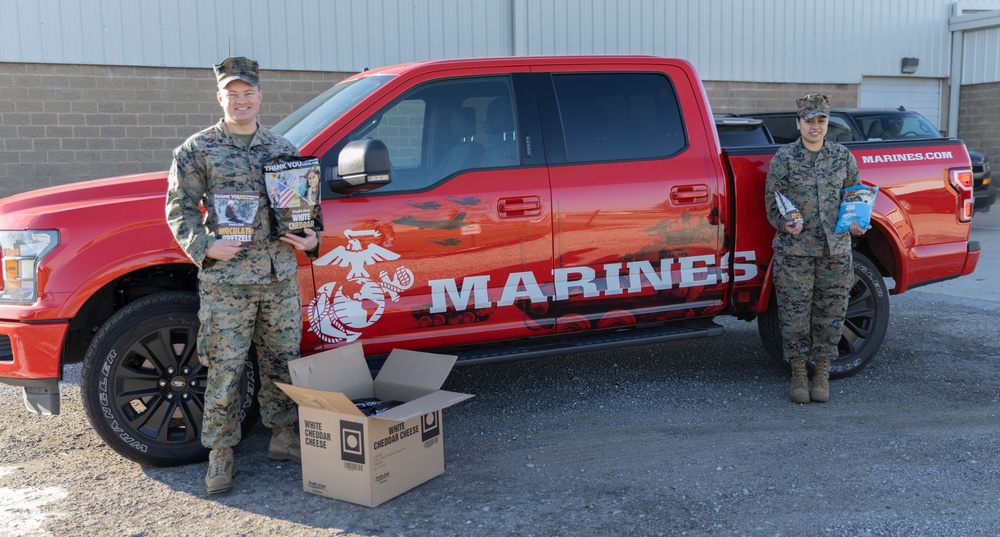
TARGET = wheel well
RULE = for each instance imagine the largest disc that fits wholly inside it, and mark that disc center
(878, 248)
(116, 295)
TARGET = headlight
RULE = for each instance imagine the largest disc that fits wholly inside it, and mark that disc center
(21, 251)
(986, 165)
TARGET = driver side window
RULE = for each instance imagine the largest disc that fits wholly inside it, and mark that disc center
(444, 128)
(401, 130)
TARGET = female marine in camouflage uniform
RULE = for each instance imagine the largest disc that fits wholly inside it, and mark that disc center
(812, 264)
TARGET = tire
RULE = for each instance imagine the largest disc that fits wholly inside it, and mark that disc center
(143, 387)
(865, 324)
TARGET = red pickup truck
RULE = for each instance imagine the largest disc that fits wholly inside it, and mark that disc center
(491, 208)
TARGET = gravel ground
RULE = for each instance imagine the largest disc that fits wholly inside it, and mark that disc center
(690, 438)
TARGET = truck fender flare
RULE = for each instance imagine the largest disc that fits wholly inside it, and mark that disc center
(883, 232)
(101, 277)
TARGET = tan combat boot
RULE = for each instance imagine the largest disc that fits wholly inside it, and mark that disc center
(821, 382)
(284, 445)
(800, 382)
(220, 471)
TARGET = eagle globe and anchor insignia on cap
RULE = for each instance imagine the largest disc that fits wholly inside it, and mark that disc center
(341, 310)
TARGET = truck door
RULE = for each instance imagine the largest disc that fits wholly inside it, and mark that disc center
(635, 205)
(428, 260)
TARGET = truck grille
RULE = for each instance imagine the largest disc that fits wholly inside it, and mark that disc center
(977, 175)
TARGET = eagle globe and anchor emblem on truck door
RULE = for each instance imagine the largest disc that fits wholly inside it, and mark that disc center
(341, 310)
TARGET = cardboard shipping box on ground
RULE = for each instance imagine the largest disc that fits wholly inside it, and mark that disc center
(368, 460)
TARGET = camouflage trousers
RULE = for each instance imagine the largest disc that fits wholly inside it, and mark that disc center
(233, 316)
(812, 295)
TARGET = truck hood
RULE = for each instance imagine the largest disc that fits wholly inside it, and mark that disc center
(34, 209)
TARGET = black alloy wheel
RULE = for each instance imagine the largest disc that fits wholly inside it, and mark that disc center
(143, 387)
(865, 324)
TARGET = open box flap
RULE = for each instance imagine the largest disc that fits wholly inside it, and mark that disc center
(323, 400)
(414, 368)
(343, 369)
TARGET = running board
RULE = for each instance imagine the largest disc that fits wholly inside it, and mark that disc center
(575, 342)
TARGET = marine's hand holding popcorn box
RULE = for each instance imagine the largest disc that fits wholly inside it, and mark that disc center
(294, 190)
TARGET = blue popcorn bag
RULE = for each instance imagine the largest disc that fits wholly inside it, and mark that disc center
(856, 204)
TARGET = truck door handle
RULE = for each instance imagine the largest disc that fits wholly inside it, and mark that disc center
(688, 194)
(526, 206)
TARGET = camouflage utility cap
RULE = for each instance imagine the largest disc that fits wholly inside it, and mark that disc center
(238, 68)
(813, 105)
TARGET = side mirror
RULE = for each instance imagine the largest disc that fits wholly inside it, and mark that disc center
(362, 165)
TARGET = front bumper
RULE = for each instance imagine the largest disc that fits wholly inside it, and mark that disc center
(30, 357)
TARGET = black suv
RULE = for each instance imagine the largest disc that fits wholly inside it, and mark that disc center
(861, 124)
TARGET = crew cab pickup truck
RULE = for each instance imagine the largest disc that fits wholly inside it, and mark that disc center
(876, 124)
(494, 209)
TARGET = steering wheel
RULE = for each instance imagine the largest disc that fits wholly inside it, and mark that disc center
(910, 134)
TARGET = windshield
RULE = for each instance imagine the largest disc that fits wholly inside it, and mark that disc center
(892, 125)
(306, 122)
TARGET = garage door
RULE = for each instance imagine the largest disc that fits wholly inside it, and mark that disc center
(921, 95)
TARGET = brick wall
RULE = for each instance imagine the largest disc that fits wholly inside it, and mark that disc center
(65, 123)
(977, 119)
(748, 97)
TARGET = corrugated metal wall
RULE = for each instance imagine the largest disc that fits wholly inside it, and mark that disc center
(981, 60)
(313, 35)
(740, 40)
(749, 40)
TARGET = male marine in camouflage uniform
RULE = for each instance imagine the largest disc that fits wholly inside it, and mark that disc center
(812, 264)
(249, 290)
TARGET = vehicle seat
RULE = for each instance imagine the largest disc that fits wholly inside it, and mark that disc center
(465, 152)
(874, 130)
(501, 146)
(839, 133)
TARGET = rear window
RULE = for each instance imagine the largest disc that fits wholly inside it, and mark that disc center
(615, 116)
(742, 134)
(782, 127)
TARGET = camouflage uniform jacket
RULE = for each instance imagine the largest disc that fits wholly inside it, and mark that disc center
(814, 187)
(211, 161)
